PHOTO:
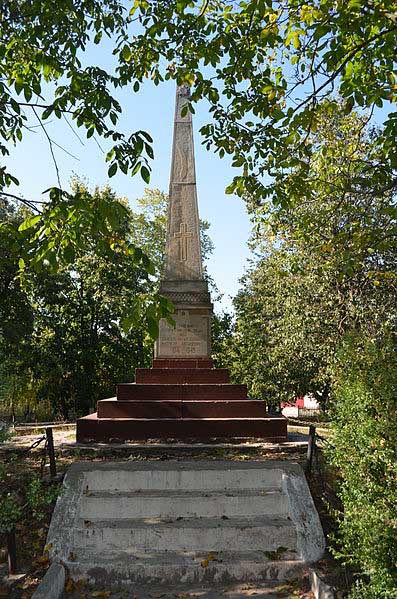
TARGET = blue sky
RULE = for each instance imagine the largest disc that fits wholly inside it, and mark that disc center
(152, 109)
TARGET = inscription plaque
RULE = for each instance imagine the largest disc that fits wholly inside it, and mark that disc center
(190, 337)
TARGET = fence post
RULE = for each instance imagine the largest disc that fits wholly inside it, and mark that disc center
(51, 452)
(12, 552)
(311, 446)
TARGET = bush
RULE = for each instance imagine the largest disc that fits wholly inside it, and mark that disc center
(364, 422)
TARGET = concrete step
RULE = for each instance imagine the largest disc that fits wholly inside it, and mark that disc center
(118, 408)
(120, 524)
(235, 478)
(118, 505)
(186, 392)
(182, 376)
(169, 567)
(195, 534)
(91, 428)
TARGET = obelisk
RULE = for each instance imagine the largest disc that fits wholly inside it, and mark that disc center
(183, 280)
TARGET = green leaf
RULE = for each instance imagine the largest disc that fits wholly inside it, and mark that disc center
(112, 169)
(27, 93)
(125, 53)
(29, 222)
(145, 174)
(69, 254)
(153, 327)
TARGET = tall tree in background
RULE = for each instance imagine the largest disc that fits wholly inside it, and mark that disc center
(326, 266)
(77, 343)
(72, 334)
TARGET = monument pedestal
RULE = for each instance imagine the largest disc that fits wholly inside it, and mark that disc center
(180, 399)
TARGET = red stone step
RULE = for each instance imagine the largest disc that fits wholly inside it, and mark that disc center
(168, 376)
(90, 428)
(183, 363)
(247, 408)
(116, 408)
(187, 392)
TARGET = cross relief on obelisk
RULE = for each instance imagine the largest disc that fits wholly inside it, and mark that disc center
(183, 281)
(183, 235)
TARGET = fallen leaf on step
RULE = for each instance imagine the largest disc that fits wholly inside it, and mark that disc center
(248, 585)
(72, 557)
(87, 523)
(275, 555)
(47, 547)
(69, 585)
(101, 594)
(204, 563)
(43, 560)
(183, 595)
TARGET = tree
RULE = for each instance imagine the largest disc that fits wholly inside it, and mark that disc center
(86, 329)
(364, 450)
(42, 76)
(325, 267)
(83, 330)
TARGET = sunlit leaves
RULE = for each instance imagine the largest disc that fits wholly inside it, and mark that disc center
(326, 264)
(269, 64)
(47, 47)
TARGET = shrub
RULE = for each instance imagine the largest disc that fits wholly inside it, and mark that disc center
(364, 422)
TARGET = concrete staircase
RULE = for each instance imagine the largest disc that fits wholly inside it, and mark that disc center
(185, 522)
(180, 399)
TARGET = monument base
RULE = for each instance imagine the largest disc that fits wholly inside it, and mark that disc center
(180, 399)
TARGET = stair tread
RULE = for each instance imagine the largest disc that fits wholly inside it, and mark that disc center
(207, 493)
(190, 522)
(168, 557)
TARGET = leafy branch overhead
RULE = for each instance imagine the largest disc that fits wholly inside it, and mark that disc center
(42, 73)
(265, 68)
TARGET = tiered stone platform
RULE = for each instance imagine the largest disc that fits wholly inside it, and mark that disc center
(180, 399)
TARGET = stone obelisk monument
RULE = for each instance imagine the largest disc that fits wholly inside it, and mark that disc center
(183, 280)
(182, 395)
